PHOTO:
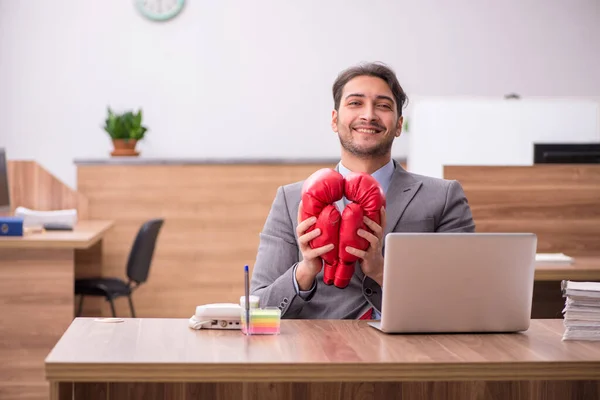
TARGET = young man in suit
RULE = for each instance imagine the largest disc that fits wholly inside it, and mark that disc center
(367, 117)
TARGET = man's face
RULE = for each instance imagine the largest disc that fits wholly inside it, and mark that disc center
(367, 121)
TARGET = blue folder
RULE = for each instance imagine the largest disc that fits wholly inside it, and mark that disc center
(11, 226)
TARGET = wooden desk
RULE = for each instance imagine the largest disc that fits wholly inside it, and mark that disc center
(164, 359)
(83, 236)
(585, 268)
(547, 296)
(37, 272)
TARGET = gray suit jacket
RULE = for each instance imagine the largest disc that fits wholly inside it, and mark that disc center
(414, 203)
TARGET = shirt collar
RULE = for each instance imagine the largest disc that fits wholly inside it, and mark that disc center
(383, 175)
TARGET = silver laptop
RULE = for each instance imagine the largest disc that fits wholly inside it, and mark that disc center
(457, 282)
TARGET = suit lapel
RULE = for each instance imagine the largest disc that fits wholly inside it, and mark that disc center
(403, 188)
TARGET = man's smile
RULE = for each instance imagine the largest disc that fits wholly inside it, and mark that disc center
(367, 130)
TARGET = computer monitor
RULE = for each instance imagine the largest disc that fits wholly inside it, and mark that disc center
(4, 191)
(566, 153)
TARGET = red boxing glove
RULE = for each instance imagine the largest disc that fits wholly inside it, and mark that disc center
(319, 193)
(367, 200)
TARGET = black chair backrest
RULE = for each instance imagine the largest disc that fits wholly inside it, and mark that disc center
(140, 256)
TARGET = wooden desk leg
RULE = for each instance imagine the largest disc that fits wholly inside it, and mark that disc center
(61, 390)
(36, 307)
(88, 264)
(547, 300)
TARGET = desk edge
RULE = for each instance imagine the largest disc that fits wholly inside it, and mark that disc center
(59, 244)
(321, 372)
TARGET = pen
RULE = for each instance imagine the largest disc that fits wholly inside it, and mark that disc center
(247, 289)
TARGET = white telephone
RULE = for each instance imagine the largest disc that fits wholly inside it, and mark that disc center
(217, 316)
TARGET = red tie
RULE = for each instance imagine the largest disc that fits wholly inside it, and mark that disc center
(368, 314)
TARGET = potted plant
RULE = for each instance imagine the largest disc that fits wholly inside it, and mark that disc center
(125, 130)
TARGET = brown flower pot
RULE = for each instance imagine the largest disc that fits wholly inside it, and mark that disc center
(124, 147)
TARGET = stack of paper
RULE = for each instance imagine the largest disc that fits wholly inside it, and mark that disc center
(582, 310)
(553, 258)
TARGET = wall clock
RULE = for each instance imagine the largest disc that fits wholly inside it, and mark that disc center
(159, 10)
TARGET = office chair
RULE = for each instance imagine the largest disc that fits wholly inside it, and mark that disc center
(138, 266)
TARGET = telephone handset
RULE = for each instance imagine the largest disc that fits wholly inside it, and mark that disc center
(217, 316)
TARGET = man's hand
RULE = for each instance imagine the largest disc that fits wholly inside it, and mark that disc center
(372, 258)
(311, 263)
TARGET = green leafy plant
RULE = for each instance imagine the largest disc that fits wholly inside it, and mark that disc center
(126, 126)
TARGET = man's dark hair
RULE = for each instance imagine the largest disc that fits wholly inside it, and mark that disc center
(378, 70)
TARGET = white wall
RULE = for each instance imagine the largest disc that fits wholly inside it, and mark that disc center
(494, 132)
(239, 78)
